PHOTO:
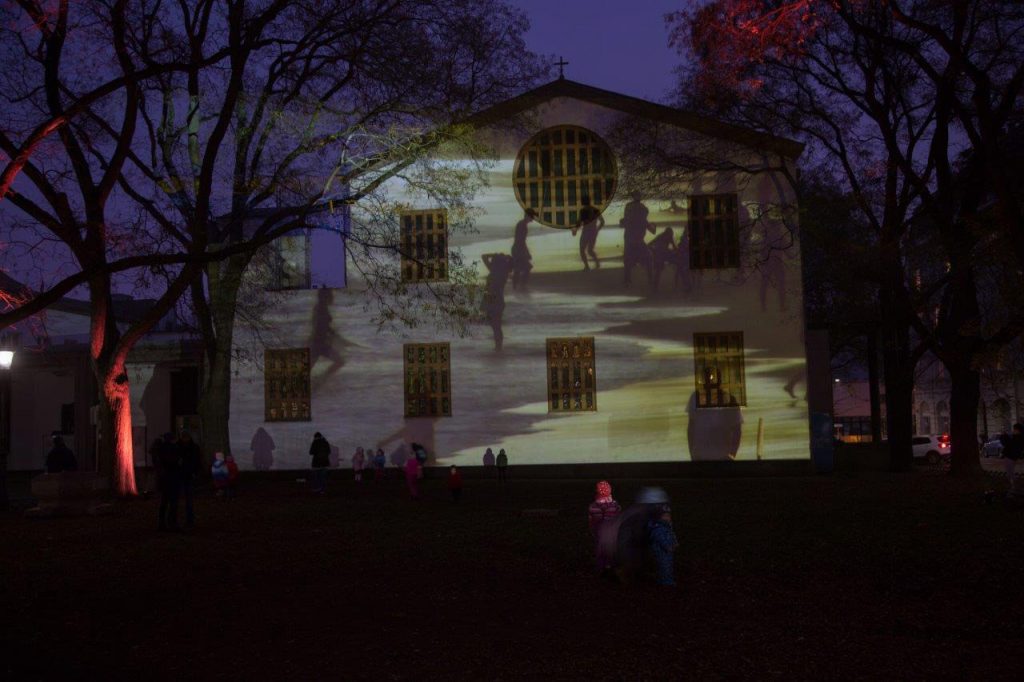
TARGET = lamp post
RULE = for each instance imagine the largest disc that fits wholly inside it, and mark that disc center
(6, 360)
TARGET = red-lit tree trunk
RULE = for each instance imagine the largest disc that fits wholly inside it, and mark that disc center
(116, 447)
(115, 456)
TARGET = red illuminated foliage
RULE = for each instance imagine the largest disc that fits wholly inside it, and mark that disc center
(731, 37)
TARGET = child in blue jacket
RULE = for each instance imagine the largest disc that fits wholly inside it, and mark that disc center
(663, 545)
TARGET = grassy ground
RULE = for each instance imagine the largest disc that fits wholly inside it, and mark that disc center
(852, 577)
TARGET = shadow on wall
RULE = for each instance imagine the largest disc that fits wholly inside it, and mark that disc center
(414, 430)
(262, 447)
(713, 433)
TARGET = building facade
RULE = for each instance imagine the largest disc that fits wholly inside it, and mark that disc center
(697, 353)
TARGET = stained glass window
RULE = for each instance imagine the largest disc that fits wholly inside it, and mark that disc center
(714, 232)
(424, 245)
(428, 388)
(718, 369)
(572, 375)
(286, 389)
(559, 167)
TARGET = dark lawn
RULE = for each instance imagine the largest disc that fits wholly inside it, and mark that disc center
(871, 577)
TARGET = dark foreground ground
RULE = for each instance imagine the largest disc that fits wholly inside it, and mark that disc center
(866, 577)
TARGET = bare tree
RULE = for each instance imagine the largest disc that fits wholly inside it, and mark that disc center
(892, 94)
(334, 104)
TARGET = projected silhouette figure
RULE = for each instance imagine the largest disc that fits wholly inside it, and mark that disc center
(499, 265)
(663, 250)
(682, 279)
(634, 228)
(522, 260)
(591, 223)
(324, 342)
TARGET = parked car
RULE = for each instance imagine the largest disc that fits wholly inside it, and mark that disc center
(992, 448)
(932, 449)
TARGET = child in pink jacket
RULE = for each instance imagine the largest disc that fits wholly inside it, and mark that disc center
(602, 513)
(413, 472)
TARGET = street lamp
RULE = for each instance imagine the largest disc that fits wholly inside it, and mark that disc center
(6, 360)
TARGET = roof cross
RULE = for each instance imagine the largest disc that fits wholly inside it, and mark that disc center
(561, 64)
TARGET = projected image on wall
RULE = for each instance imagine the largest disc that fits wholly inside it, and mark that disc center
(614, 326)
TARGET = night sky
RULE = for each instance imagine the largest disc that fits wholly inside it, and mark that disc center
(619, 45)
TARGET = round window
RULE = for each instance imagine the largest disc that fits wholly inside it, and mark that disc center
(559, 170)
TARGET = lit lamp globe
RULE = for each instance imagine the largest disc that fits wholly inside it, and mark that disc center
(6, 358)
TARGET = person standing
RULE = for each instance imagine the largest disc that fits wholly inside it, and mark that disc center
(219, 473)
(591, 223)
(601, 520)
(1013, 450)
(379, 463)
(663, 547)
(168, 476)
(231, 489)
(189, 456)
(488, 459)
(358, 462)
(502, 463)
(455, 483)
(522, 260)
(60, 458)
(320, 450)
(413, 472)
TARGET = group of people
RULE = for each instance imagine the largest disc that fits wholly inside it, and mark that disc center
(177, 462)
(653, 256)
(500, 462)
(368, 459)
(626, 543)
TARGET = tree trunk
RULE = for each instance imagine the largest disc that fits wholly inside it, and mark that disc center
(225, 280)
(965, 394)
(898, 364)
(116, 456)
(873, 390)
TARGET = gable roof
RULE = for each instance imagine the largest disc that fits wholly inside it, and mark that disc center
(637, 107)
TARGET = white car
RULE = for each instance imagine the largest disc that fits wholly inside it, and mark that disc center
(932, 449)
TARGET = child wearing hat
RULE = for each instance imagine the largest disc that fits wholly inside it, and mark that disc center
(602, 514)
(663, 547)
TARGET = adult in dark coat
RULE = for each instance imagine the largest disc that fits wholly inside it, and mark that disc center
(1013, 451)
(191, 462)
(167, 460)
(60, 458)
(633, 532)
(320, 449)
